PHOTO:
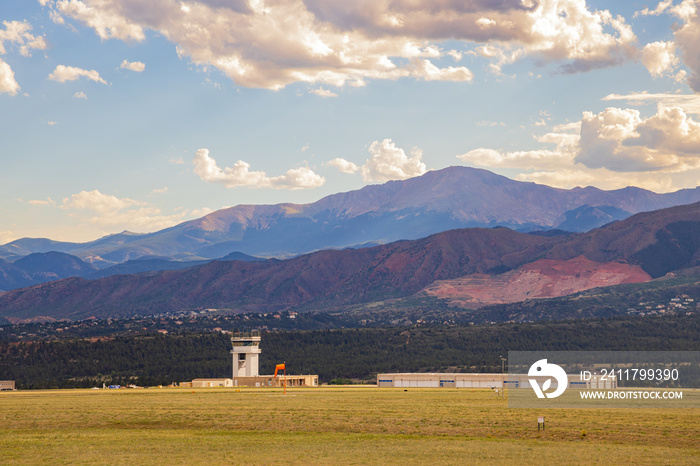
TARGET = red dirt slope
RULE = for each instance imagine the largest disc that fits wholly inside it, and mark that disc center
(545, 278)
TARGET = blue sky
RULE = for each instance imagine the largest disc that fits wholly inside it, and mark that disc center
(126, 114)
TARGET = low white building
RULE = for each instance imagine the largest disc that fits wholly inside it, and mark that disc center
(480, 380)
(211, 383)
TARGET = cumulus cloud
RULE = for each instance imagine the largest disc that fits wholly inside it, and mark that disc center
(64, 73)
(104, 17)
(660, 8)
(429, 72)
(8, 84)
(621, 140)
(16, 34)
(321, 92)
(611, 149)
(240, 175)
(616, 140)
(80, 95)
(688, 39)
(97, 202)
(690, 103)
(273, 44)
(659, 58)
(387, 162)
(564, 137)
(111, 211)
(687, 35)
(133, 66)
(343, 165)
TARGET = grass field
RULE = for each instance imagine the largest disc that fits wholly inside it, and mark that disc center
(346, 425)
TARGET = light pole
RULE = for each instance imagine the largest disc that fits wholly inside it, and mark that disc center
(503, 364)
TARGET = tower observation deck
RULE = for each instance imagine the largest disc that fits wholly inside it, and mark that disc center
(246, 349)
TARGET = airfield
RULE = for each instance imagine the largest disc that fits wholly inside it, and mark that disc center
(345, 425)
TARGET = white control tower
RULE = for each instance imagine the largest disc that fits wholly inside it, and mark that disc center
(246, 348)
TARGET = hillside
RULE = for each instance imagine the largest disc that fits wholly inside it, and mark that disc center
(40, 268)
(441, 200)
(657, 242)
(544, 278)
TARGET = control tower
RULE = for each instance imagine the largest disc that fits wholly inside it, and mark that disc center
(246, 348)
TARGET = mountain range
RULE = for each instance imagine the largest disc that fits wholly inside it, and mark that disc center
(42, 267)
(642, 247)
(441, 200)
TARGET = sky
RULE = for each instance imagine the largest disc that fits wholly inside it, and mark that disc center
(138, 115)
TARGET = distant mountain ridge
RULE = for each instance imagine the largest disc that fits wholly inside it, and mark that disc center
(441, 200)
(658, 242)
(42, 267)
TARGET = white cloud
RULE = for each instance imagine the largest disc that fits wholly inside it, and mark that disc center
(8, 85)
(133, 66)
(64, 73)
(111, 211)
(160, 190)
(517, 159)
(621, 140)
(239, 175)
(51, 123)
(257, 44)
(429, 72)
(455, 54)
(80, 95)
(659, 58)
(18, 33)
(105, 17)
(388, 162)
(690, 103)
(685, 10)
(321, 92)
(688, 39)
(660, 8)
(687, 36)
(343, 165)
(98, 202)
(564, 137)
(612, 149)
(45, 202)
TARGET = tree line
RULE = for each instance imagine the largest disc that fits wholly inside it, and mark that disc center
(156, 359)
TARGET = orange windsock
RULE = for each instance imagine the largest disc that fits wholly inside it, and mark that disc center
(279, 367)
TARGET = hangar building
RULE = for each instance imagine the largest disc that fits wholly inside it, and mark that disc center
(480, 380)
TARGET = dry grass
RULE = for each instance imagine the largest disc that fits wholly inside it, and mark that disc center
(350, 425)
